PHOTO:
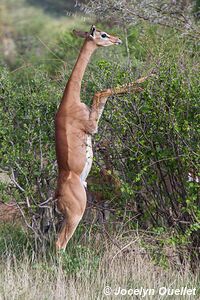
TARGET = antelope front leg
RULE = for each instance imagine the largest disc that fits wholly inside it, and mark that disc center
(98, 104)
(100, 98)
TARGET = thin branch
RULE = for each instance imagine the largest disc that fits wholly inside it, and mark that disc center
(122, 249)
(15, 182)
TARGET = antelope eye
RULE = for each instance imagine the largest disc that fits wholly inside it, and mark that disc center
(104, 35)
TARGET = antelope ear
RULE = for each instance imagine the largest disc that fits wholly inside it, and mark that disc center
(92, 31)
(82, 34)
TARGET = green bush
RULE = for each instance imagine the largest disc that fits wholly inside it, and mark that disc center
(27, 151)
(14, 241)
(154, 144)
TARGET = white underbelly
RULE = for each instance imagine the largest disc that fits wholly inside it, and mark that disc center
(89, 159)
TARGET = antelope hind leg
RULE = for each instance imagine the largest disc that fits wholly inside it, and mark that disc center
(71, 203)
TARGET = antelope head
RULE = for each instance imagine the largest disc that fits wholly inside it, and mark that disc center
(99, 37)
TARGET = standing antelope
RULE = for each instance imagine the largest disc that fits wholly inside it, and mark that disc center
(74, 125)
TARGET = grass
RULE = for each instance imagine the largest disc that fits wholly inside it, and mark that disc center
(87, 269)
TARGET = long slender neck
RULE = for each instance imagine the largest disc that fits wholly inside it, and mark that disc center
(82, 61)
(73, 87)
